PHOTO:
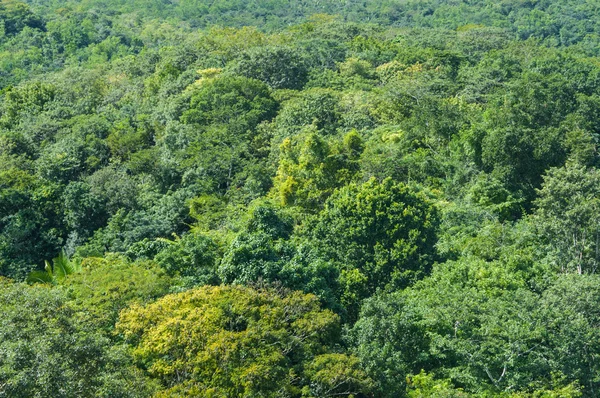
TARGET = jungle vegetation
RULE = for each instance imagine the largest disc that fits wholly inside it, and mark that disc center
(299, 198)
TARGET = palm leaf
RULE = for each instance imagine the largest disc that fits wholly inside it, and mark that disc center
(57, 271)
(62, 267)
(48, 268)
(39, 277)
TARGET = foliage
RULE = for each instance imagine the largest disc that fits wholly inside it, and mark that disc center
(279, 67)
(566, 215)
(60, 268)
(49, 351)
(105, 286)
(211, 341)
(380, 235)
(366, 198)
(310, 168)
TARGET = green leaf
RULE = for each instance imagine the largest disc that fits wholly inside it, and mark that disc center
(39, 277)
(48, 268)
(61, 267)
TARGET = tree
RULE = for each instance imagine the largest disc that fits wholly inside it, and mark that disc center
(228, 340)
(227, 111)
(265, 252)
(31, 227)
(523, 132)
(567, 216)
(105, 286)
(312, 107)
(473, 322)
(310, 168)
(15, 15)
(381, 235)
(390, 342)
(50, 350)
(279, 67)
(261, 249)
(572, 315)
(424, 385)
(193, 256)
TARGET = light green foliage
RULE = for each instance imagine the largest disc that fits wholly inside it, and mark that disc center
(106, 285)
(48, 350)
(336, 375)
(491, 194)
(310, 168)
(425, 170)
(424, 385)
(210, 212)
(210, 341)
(29, 99)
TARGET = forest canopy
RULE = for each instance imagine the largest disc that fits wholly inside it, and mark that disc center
(293, 198)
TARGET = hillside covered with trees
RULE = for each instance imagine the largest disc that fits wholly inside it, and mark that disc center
(299, 198)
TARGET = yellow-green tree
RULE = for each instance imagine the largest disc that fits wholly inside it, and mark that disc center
(311, 167)
(233, 341)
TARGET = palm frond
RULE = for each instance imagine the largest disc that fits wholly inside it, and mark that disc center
(61, 267)
(48, 268)
(39, 276)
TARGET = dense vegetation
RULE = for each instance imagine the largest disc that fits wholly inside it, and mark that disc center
(367, 199)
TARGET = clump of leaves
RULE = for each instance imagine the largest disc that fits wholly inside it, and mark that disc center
(56, 272)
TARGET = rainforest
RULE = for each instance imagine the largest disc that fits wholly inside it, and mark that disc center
(299, 198)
